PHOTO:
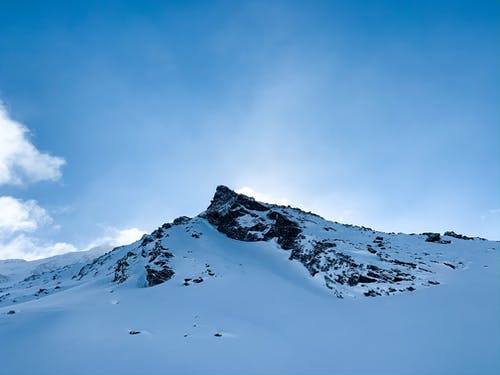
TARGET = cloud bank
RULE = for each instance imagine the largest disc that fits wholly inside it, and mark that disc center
(20, 216)
(27, 246)
(20, 160)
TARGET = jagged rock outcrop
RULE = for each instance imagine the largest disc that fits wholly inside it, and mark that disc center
(456, 235)
(435, 237)
(242, 218)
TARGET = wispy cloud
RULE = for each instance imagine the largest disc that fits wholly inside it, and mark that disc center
(21, 216)
(24, 246)
(28, 246)
(20, 160)
(20, 223)
(116, 237)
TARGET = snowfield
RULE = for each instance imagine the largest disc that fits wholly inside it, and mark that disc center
(253, 288)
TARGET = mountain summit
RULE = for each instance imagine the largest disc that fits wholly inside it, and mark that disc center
(272, 283)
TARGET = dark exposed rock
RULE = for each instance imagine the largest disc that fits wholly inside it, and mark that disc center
(181, 220)
(456, 235)
(157, 269)
(432, 237)
(284, 229)
(371, 293)
(228, 224)
(449, 265)
(122, 266)
(158, 233)
(410, 289)
(42, 291)
(401, 263)
(376, 276)
(217, 334)
(134, 332)
(227, 206)
(435, 237)
(360, 279)
(159, 252)
(94, 265)
(198, 280)
(146, 239)
(402, 276)
(433, 282)
(365, 279)
(32, 278)
(155, 277)
(225, 198)
(11, 312)
(339, 279)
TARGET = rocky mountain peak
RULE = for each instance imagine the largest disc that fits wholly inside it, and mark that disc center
(241, 217)
(226, 199)
(223, 196)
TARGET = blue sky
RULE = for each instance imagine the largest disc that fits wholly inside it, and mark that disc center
(383, 114)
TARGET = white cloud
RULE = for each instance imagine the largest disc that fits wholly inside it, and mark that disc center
(19, 216)
(262, 197)
(127, 236)
(19, 220)
(30, 248)
(117, 237)
(20, 160)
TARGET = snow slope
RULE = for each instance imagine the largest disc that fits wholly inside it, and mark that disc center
(245, 288)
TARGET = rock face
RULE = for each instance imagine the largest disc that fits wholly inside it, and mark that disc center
(435, 237)
(432, 237)
(459, 236)
(242, 218)
(227, 207)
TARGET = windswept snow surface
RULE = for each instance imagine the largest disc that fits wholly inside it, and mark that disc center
(239, 307)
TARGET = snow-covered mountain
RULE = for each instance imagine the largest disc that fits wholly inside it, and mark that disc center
(251, 287)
